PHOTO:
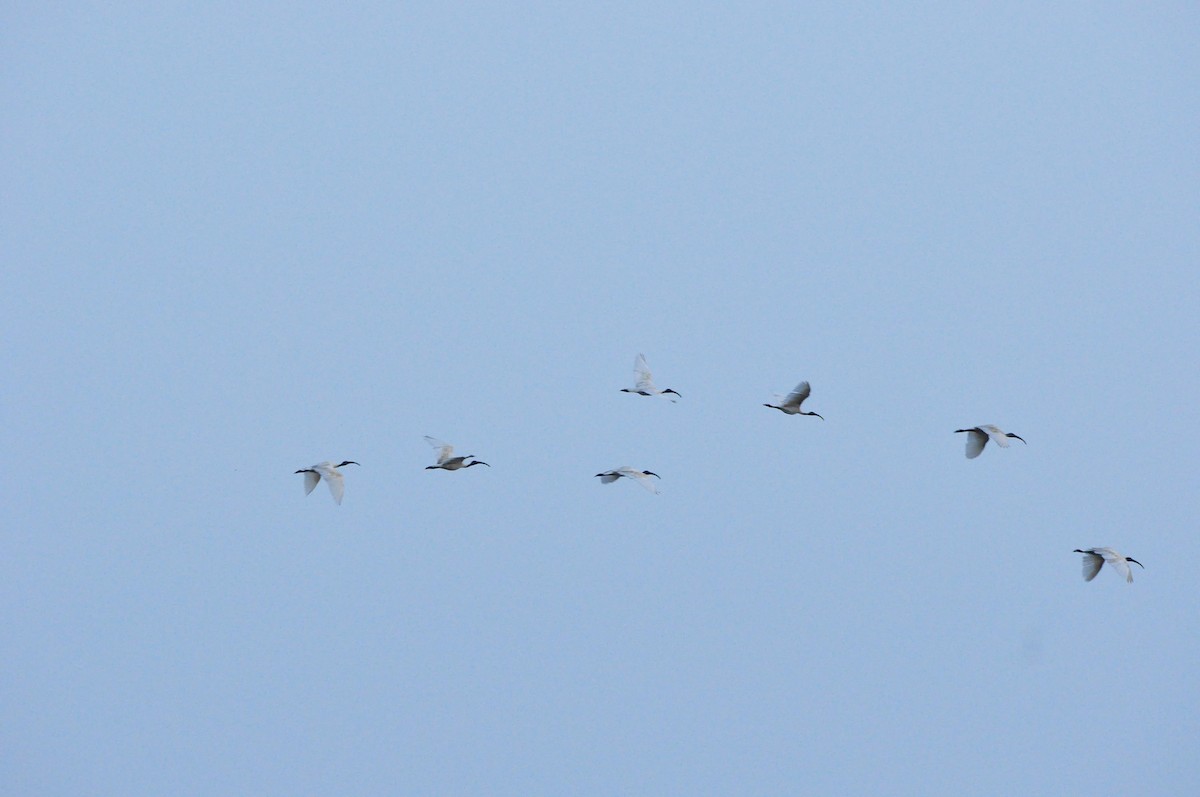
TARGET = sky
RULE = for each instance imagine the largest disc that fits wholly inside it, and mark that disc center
(242, 238)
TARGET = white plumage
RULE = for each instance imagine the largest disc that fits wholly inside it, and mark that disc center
(329, 472)
(445, 456)
(978, 436)
(1094, 559)
(643, 380)
(791, 402)
(642, 477)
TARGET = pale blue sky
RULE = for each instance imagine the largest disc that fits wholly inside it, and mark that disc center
(239, 239)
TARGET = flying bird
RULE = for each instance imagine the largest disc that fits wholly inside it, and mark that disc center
(644, 381)
(1094, 559)
(329, 472)
(642, 477)
(977, 437)
(446, 459)
(791, 403)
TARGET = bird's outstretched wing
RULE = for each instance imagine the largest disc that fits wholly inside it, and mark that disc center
(642, 378)
(646, 482)
(444, 449)
(310, 481)
(337, 486)
(798, 395)
(1091, 565)
(1123, 568)
(997, 436)
(1117, 561)
(609, 476)
(976, 440)
(639, 477)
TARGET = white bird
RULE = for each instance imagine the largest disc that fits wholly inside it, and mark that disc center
(329, 472)
(977, 437)
(446, 459)
(644, 381)
(791, 403)
(1094, 559)
(642, 477)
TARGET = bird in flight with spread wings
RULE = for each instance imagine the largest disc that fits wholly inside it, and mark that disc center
(446, 459)
(978, 436)
(329, 472)
(642, 477)
(643, 381)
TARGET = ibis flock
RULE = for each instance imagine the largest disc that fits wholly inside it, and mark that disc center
(791, 404)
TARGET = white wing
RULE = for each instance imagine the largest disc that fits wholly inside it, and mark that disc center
(336, 486)
(1091, 565)
(995, 433)
(1123, 568)
(1118, 561)
(641, 374)
(310, 481)
(332, 477)
(444, 449)
(639, 477)
(609, 476)
(976, 440)
(797, 396)
(647, 482)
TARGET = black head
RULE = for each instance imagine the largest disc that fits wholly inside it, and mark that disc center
(956, 431)
(1022, 439)
(651, 473)
(1135, 561)
(813, 413)
(476, 462)
(348, 462)
(675, 392)
(1080, 550)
